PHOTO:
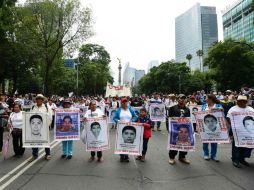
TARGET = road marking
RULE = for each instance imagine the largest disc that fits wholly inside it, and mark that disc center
(21, 165)
(24, 169)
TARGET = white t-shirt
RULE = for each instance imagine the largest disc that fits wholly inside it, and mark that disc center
(16, 120)
(238, 109)
(96, 113)
(125, 115)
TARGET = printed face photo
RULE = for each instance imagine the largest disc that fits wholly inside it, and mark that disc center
(157, 111)
(96, 129)
(129, 134)
(183, 134)
(194, 109)
(248, 123)
(36, 125)
(210, 122)
(66, 124)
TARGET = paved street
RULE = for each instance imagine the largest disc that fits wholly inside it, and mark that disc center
(154, 174)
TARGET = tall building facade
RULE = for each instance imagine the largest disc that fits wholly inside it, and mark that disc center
(131, 76)
(196, 29)
(238, 21)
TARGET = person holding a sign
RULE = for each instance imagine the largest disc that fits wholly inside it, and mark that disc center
(66, 126)
(125, 113)
(40, 107)
(144, 118)
(95, 128)
(211, 124)
(179, 110)
(156, 100)
(240, 153)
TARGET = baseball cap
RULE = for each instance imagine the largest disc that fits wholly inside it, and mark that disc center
(182, 96)
(124, 100)
(241, 97)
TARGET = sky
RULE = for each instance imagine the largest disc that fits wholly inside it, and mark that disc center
(139, 31)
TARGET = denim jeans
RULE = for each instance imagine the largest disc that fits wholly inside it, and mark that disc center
(99, 154)
(67, 147)
(213, 149)
(145, 144)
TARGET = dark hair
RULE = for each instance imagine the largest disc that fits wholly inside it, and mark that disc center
(35, 116)
(213, 98)
(143, 109)
(212, 116)
(128, 127)
(67, 117)
(183, 126)
(247, 118)
(156, 108)
(19, 105)
(194, 108)
(94, 123)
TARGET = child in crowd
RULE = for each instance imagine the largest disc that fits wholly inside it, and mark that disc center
(147, 123)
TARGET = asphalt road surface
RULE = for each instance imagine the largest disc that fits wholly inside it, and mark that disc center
(154, 174)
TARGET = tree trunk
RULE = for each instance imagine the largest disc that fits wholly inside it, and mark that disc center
(46, 77)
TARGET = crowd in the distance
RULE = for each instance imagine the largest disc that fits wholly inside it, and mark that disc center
(11, 108)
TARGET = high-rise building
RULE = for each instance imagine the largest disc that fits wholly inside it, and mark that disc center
(196, 29)
(151, 64)
(131, 76)
(238, 21)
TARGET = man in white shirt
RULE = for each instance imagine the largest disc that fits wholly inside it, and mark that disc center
(41, 108)
(239, 153)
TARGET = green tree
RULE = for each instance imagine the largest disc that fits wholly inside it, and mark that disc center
(232, 64)
(94, 69)
(200, 54)
(189, 57)
(51, 26)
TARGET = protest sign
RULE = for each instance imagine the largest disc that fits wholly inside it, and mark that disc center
(35, 130)
(243, 129)
(194, 109)
(67, 124)
(129, 138)
(212, 126)
(181, 136)
(157, 112)
(97, 137)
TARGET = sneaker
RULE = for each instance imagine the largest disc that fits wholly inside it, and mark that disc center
(184, 160)
(63, 156)
(138, 158)
(171, 161)
(47, 157)
(236, 164)
(143, 158)
(69, 157)
(245, 163)
(215, 159)
(91, 159)
(206, 158)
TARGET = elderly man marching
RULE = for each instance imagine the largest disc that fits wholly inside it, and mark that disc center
(41, 108)
(239, 153)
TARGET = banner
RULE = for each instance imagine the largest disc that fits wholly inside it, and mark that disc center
(243, 129)
(117, 90)
(67, 124)
(212, 126)
(35, 130)
(97, 137)
(157, 112)
(181, 136)
(194, 109)
(129, 138)
(111, 115)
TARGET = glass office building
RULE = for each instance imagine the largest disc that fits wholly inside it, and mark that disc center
(196, 29)
(238, 21)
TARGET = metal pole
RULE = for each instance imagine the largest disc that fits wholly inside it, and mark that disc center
(77, 75)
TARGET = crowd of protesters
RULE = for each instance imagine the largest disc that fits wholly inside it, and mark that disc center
(176, 106)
